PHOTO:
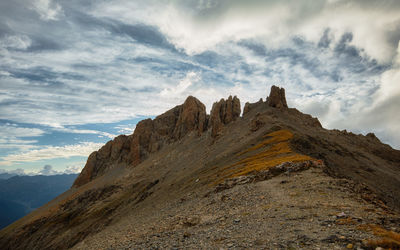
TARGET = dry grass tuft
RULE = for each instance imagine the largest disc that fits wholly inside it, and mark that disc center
(388, 239)
(346, 221)
(271, 138)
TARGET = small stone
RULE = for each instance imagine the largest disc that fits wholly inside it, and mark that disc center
(229, 245)
(236, 220)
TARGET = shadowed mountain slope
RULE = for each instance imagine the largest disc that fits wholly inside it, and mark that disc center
(20, 195)
(185, 163)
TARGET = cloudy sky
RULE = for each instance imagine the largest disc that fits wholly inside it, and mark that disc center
(76, 73)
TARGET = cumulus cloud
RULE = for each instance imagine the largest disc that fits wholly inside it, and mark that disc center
(48, 170)
(74, 169)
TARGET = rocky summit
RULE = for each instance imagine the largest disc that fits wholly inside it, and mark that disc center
(269, 178)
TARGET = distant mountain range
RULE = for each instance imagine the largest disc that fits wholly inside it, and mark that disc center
(5, 176)
(19, 195)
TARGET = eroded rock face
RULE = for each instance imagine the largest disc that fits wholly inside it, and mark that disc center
(222, 113)
(192, 117)
(249, 106)
(113, 153)
(277, 97)
(148, 137)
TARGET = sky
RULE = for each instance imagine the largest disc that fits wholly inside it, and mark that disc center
(76, 73)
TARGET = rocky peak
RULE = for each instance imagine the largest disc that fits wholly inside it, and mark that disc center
(192, 117)
(148, 137)
(277, 97)
(222, 113)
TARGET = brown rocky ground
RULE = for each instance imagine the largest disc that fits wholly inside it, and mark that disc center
(294, 210)
(272, 178)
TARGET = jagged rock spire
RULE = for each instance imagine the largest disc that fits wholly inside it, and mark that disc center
(277, 97)
(223, 112)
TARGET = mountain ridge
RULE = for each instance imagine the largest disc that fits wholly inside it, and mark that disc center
(184, 155)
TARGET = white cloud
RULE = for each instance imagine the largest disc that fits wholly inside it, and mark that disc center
(175, 92)
(12, 136)
(48, 170)
(74, 169)
(18, 171)
(15, 42)
(83, 131)
(47, 9)
(199, 26)
(12, 130)
(51, 152)
(382, 115)
(126, 129)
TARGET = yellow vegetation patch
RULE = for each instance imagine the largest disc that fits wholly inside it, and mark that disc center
(274, 137)
(388, 240)
(277, 151)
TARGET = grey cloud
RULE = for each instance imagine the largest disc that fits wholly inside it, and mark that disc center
(142, 33)
(208, 58)
(257, 48)
(41, 44)
(353, 59)
(393, 36)
(344, 47)
(325, 40)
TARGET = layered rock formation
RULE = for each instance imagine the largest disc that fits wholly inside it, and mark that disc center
(222, 113)
(148, 137)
